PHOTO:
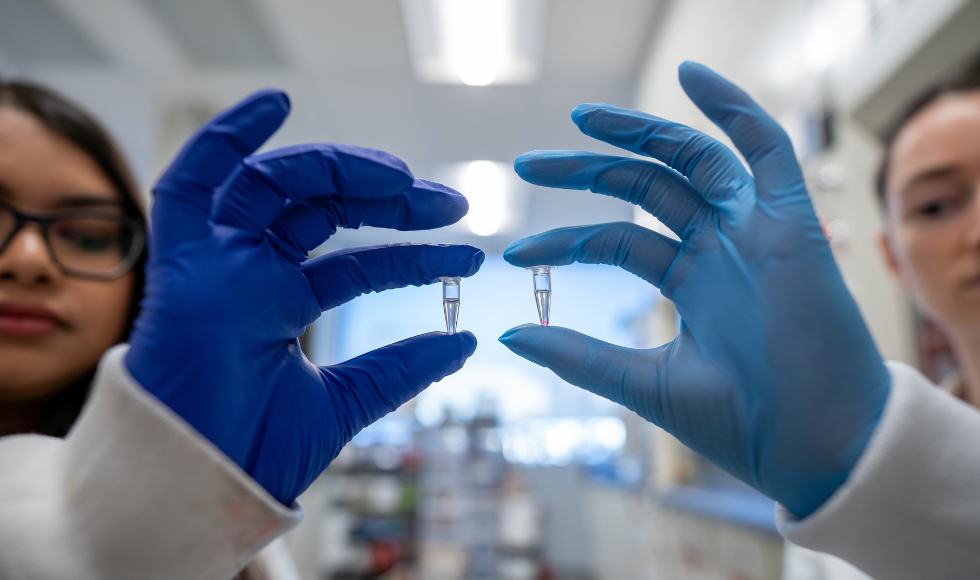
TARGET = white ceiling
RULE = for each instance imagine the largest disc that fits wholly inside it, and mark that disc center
(144, 66)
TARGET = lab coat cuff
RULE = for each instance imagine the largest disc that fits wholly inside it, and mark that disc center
(900, 514)
(168, 492)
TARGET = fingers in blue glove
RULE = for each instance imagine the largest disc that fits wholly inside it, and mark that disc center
(712, 168)
(759, 138)
(345, 275)
(634, 248)
(306, 224)
(256, 192)
(619, 374)
(182, 198)
(345, 399)
(374, 384)
(658, 189)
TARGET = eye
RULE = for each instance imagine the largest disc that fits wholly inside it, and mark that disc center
(937, 199)
(90, 235)
(937, 208)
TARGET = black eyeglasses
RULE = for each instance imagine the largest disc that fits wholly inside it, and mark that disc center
(85, 243)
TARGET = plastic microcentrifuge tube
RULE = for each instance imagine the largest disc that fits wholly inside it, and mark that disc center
(450, 301)
(542, 292)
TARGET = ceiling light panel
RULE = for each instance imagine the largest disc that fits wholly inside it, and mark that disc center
(475, 42)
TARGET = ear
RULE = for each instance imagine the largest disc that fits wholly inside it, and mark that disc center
(891, 260)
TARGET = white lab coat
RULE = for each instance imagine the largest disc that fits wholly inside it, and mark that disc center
(911, 507)
(135, 492)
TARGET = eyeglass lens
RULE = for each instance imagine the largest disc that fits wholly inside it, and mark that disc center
(89, 245)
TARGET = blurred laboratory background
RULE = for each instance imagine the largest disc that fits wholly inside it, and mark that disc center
(503, 471)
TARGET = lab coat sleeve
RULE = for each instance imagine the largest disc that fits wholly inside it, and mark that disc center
(133, 491)
(911, 507)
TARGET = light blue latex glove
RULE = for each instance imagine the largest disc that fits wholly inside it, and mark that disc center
(229, 290)
(774, 376)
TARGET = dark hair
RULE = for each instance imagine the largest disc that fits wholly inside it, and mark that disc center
(73, 123)
(966, 80)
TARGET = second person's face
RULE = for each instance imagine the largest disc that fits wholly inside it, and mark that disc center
(933, 219)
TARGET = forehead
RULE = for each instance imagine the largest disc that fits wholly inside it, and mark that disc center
(39, 168)
(946, 133)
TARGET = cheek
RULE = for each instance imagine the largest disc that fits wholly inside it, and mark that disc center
(101, 309)
(928, 266)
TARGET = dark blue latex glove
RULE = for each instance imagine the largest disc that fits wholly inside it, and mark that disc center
(774, 376)
(229, 289)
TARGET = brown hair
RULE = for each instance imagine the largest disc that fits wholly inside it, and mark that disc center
(966, 80)
(73, 123)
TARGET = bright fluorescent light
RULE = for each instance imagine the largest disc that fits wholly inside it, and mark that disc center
(836, 28)
(475, 42)
(485, 187)
(476, 34)
(497, 198)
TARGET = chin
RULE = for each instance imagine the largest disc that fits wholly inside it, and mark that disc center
(27, 373)
(964, 318)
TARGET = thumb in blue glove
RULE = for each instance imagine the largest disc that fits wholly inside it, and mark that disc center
(774, 376)
(229, 289)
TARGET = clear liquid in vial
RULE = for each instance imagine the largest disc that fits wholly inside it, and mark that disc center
(542, 292)
(451, 307)
(450, 302)
(543, 299)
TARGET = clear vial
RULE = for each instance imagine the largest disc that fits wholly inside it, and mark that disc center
(542, 292)
(450, 301)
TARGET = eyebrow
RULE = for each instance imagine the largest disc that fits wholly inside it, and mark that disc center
(935, 173)
(84, 201)
(75, 200)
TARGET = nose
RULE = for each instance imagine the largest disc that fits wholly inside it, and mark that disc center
(26, 260)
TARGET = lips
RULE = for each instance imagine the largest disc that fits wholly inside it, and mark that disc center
(28, 320)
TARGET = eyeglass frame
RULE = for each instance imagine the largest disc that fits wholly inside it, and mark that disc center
(21, 219)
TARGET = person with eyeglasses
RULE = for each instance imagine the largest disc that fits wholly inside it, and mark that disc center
(157, 416)
(72, 250)
(200, 432)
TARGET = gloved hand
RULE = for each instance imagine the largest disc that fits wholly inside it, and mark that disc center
(229, 290)
(774, 376)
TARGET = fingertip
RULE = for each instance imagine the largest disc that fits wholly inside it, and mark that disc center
(285, 102)
(524, 165)
(583, 110)
(274, 96)
(512, 252)
(463, 341)
(690, 67)
(550, 248)
(452, 205)
(271, 105)
(436, 186)
(707, 89)
(468, 341)
(461, 260)
(476, 262)
(473, 260)
(508, 337)
(535, 343)
(692, 75)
